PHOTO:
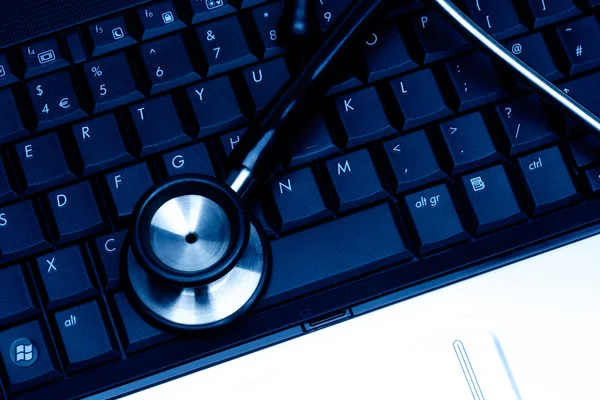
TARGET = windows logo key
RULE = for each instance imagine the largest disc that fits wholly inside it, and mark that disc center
(23, 352)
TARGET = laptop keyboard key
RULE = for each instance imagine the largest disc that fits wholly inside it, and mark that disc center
(138, 333)
(550, 12)
(549, 184)
(469, 143)
(298, 199)
(267, 19)
(109, 249)
(167, 64)
(210, 9)
(592, 180)
(126, 187)
(75, 212)
(475, 81)
(264, 80)
(230, 140)
(498, 18)
(435, 219)
(386, 54)
(26, 356)
(533, 51)
(18, 303)
(193, 159)
(585, 90)
(7, 193)
(109, 35)
(330, 10)
(65, 277)
(54, 100)
(525, 124)
(355, 180)
(580, 41)
(159, 19)
(11, 127)
(43, 163)
(492, 200)
(216, 106)
(363, 117)
(111, 82)
(158, 125)
(413, 161)
(85, 338)
(42, 57)
(100, 144)
(224, 44)
(419, 98)
(7, 76)
(438, 39)
(585, 150)
(312, 143)
(20, 231)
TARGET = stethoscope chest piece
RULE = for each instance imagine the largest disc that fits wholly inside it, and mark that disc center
(195, 259)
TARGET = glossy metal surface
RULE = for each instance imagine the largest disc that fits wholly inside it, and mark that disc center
(204, 305)
(240, 181)
(534, 81)
(190, 233)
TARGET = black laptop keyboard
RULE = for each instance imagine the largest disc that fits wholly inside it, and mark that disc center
(425, 157)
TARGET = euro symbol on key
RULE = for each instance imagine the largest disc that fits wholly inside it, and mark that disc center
(64, 103)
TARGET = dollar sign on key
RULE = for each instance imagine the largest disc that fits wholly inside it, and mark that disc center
(39, 90)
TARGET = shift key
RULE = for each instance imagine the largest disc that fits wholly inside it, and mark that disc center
(435, 220)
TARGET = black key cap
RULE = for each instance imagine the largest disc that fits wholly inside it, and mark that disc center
(312, 143)
(533, 51)
(26, 356)
(110, 35)
(138, 334)
(203, 10)
(6, 74)
(412, 161)
(548, 182)
(76, 48)
(419, 98)
(215, 106)
(126, 187)
(85, 338)
(580, 41)
(264, 80)
(54, 100)
(435, 220)
(585, 150)
(158, 125)
(75, 213)
(111, 83)
(550, 12)
(438, 39)
(475, 81)
(224, 44)
(355, 180)
(20, 232)
(193, 159)
(592, 179)
(346, 79)
(42, 56)
(386, 54)
(43, 163)
(109, 249)
(497, 18)
(298, 199)
(493, 203)
(158, 19)
(330, 10)
(249, 3)
(18, 303)
(266, 19)
(469, 143)
(230, 140)
(336, 253)
(7, 193)
(585, 90)
(363, 117)
(11, 127)
(65, 277)
(167, 64)
(525, 124)
(100, 144)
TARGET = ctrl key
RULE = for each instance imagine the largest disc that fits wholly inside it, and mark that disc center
(435, 220)
(26, 358)
(85, 338)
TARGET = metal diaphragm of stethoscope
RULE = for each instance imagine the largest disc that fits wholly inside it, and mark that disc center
(196, 258)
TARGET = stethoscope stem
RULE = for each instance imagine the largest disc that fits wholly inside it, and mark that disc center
(241, 181)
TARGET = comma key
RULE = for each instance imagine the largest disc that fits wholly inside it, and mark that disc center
(435, 220)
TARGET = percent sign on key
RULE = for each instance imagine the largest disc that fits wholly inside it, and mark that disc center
(96, 71)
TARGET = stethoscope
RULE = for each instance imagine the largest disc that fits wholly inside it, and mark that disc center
(197, 259)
